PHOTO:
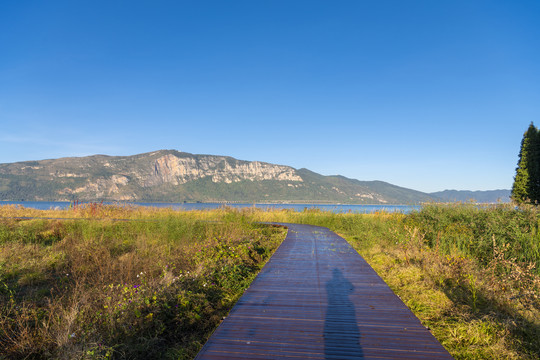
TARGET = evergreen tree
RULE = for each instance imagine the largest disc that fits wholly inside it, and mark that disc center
(534, 169)
(526, 186)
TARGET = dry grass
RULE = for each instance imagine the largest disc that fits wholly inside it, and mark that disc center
(92, 289)
(96, 289)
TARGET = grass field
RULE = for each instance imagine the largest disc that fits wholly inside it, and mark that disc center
(152, 287)
(157, 283)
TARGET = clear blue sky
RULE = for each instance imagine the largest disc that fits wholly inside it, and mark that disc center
(429, 95)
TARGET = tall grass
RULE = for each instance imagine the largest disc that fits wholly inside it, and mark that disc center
(97, 288)
(102, 289)
(479, 231)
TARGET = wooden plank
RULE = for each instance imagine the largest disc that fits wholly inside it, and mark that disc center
(317, 298)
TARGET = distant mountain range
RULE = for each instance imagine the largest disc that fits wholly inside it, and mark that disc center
(173, 176)
(490, 196)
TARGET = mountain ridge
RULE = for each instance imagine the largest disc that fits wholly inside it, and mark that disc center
(482, 196)
(176, 176)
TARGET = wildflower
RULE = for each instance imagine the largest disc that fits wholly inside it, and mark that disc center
(72, 335)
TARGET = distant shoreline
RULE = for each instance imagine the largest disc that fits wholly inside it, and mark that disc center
(336, 208)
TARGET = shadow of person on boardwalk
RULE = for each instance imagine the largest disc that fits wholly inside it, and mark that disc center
(341, 333)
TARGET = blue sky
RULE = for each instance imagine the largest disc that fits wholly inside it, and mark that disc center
(429, 95)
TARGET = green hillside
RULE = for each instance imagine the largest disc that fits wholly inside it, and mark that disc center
(173, 176)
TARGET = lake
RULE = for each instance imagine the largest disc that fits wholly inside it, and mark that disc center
(336, 208)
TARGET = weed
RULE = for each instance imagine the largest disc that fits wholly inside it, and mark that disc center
(96, 288)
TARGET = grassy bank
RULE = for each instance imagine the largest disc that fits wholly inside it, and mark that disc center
(155, 287)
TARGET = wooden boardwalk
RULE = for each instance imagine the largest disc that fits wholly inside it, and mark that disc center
(318, 299)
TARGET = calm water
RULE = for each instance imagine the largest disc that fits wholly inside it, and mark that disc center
(337, 208)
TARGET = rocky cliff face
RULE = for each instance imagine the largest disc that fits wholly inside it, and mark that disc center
(129, 178)
(176, 170)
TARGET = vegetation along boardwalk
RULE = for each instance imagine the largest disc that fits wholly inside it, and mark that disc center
(318, 299)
